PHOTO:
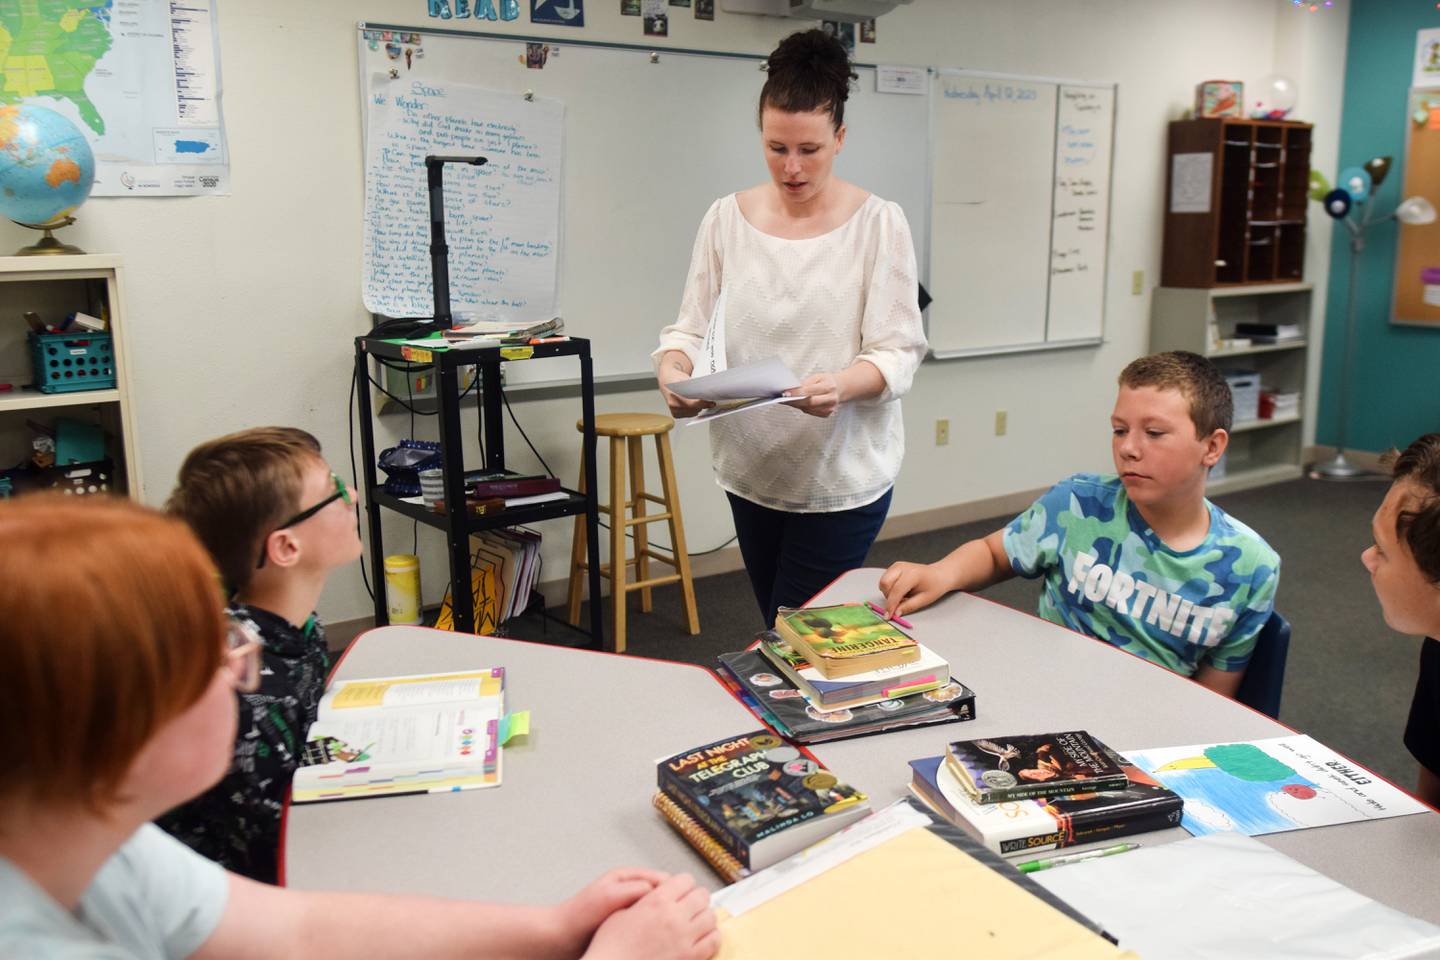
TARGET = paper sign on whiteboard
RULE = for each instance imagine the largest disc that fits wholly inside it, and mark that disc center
(900, 80)
(1190, 176)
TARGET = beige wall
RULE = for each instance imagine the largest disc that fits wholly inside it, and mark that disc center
(241, 309)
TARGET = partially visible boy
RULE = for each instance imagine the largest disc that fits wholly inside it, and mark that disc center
(1404, 565)
(276, 520)
(1138, 558)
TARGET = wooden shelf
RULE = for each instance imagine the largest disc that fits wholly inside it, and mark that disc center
(1262, 424)
(1247, 477)
(1258, 348)
(28, 398)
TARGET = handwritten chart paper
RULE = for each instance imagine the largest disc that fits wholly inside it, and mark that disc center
(502, 220)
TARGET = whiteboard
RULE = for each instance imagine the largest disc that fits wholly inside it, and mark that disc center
(1020, 209)
(648, 147)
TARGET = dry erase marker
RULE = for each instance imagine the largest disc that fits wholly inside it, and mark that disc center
(534, 340)
(1032, 865)
(880, 610)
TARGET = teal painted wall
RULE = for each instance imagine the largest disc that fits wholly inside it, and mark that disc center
(1395, 390)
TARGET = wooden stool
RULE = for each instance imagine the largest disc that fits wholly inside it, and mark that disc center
(629, 430)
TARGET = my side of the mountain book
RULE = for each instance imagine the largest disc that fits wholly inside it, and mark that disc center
(845, 639)
(759, 797)
(1043, 765)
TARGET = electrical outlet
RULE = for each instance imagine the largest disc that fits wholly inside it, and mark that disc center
(1137, 283)
(942, 432)
(1000, 424)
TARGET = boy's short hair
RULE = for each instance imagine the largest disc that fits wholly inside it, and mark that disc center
(234, 490)
(1419, 526)
(1212, 405)
(111, 625)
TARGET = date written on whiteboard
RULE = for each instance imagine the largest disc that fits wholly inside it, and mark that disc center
(988, 91)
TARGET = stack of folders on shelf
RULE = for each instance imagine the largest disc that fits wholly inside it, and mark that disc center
(1078, 807)
(507, 331)
(513, 557)
(419, 734)
(750, 801)
(1270, 332)
(784, 691)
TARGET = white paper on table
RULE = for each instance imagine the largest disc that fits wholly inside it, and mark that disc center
(763, 378)
(1228, 897)
(724, 410)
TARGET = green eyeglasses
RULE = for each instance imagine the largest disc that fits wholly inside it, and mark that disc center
(342, 492)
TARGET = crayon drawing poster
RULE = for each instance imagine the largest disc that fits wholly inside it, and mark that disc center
(1270, 786)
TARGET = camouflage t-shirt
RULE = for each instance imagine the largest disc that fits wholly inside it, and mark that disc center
(236, 823)
(1108, 575)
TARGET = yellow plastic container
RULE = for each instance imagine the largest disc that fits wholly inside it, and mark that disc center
(402, 587)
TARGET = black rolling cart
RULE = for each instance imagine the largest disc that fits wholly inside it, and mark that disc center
(458, 524)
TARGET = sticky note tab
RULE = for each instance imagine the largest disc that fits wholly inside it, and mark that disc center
(515, 724)
(517, 353)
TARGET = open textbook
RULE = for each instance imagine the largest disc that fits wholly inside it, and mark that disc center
(420, 734)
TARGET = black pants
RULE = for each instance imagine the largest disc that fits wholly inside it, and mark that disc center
(790, 557)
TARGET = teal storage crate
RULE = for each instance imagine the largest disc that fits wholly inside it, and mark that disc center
(67, 362)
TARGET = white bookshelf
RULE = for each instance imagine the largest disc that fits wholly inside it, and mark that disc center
(1261, 451)
(54, 287)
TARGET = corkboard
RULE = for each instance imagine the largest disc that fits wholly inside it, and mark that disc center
(1419, 247)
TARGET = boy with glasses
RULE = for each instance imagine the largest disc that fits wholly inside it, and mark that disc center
(276, 521)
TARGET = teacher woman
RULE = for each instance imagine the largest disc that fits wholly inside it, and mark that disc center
(821, 274)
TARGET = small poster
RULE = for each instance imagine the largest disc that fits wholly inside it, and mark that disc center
(1427, 58)
(704, 9)
(629, 8)
(1190, 176)
(558, 13)
(657, 21)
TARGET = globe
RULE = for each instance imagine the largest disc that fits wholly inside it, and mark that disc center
(46, 167)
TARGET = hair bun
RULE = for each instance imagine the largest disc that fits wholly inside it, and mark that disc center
(816, 54)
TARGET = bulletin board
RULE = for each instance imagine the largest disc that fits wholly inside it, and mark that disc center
(1418, 249)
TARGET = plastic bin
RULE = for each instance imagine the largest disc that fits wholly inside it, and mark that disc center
(67, 362)
(1245, 389)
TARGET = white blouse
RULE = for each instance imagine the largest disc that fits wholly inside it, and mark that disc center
(819, 304)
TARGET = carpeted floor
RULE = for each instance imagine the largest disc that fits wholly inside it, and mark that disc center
(1349, 678)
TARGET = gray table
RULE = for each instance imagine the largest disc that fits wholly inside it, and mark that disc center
(575, 796)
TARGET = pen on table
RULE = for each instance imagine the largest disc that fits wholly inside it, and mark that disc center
(535, 340)
(1046, 863)
(881, 611)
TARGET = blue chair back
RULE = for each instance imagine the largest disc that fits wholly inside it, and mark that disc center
(1265, 675)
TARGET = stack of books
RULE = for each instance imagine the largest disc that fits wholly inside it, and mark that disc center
(1029, 794)
(785, 692)
(750, 801)
(506, 331)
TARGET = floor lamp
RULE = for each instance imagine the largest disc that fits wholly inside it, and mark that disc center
(1357, 184)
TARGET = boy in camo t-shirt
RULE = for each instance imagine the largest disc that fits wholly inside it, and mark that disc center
(1138, 558)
